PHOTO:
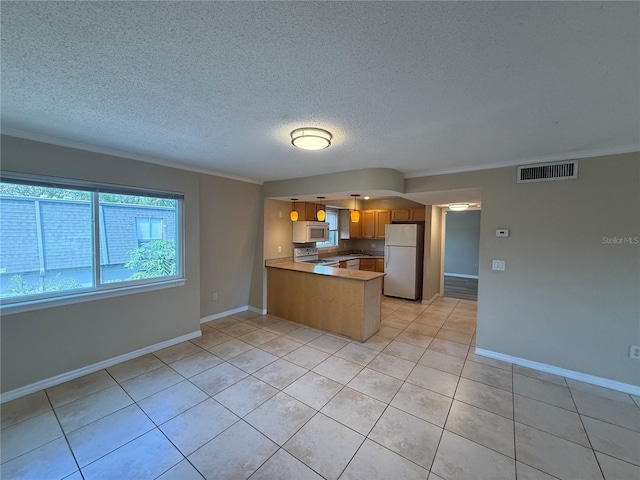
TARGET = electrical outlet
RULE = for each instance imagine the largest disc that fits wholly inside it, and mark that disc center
(373, 245)
(279, 249)
(634, 352)
(214, 296)
(498, 265)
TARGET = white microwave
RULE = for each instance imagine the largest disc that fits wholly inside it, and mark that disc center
(307, 232)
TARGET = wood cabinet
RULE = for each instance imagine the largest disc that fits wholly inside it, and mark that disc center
(408, 214)
(373, 223)
(400, 215)
(307, 210)
(347, 228)
(346, 303)
(417, 214)
(368, 219)
(384, 218)
(380, 269)
(368, 264)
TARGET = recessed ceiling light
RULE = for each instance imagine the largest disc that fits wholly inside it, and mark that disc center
(311, 138)
(367, 198)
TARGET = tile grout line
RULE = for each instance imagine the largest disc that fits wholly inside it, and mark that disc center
(63, 434)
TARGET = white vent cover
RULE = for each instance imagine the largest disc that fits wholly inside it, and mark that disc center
(546, 172)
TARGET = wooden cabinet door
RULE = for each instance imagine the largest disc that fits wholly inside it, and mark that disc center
(380, 269)
(400, 215)
(310, 211)
(368, 219)
(355, 229)
(383, 218)
(417, 214)
(380, 265)
(368, 264)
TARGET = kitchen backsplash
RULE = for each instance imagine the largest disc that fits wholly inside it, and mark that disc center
(370, 246)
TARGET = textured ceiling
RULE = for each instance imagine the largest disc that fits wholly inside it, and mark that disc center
(415, 86)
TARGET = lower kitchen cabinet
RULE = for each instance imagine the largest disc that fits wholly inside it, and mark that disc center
(368, 264)
(380, 269)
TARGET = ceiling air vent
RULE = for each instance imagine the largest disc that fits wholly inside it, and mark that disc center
(546, 172)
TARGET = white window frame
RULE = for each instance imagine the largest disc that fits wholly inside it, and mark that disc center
(320, 245)
(99, 290)
(151, 238)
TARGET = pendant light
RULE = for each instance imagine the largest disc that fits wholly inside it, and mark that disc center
(355, 214)
(294, 213)
(321, 214)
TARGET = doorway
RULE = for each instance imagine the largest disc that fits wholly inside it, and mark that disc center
(461, 254)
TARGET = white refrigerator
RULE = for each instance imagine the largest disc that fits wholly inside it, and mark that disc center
(403, 247)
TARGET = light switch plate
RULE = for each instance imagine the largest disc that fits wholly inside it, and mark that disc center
(498, 265)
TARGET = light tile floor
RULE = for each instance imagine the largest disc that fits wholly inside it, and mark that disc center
(257, 397)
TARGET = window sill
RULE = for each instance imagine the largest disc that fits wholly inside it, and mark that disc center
(70, 299)
(327, 247)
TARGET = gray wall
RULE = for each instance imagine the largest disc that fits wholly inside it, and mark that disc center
(462, 242)
(566, 298)
(230, 213)
(44, 343)
(222, 219)
(432, 253)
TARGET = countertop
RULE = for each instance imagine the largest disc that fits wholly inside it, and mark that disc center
(341, 258)
(360, 275)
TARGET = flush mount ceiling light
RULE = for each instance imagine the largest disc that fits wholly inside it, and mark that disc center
(311, 138)
(355, 214)
(321, 214)
(458, 207)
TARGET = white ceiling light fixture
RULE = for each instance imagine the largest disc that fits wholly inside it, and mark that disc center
(458, 207)
(309, 138)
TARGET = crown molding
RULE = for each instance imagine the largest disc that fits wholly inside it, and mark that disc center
(38, 137)
(525, 161)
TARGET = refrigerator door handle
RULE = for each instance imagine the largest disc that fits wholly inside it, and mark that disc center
(386, 256)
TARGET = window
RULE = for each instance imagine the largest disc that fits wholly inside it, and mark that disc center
(62, 239)
(332, 218)
(148, 229)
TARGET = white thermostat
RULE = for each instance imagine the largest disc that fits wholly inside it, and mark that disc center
(502, 232)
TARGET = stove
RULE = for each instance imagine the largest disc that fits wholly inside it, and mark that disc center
(310, 255)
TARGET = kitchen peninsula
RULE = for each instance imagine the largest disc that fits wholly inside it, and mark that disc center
(345, 302)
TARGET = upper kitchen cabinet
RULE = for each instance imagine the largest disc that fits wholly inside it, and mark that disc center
(384, 218)
(373, 223)
(349, 229)
(307, 210)
(408, 215)
(368, 219)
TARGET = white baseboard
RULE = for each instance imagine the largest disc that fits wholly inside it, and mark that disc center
(433, 299)
(231, 312)
(258, 310)
(224, 314)
(65, 377)
(563, 372)
(460, 275)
